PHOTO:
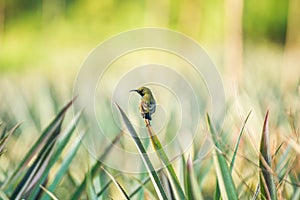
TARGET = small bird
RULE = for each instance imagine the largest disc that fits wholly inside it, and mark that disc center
(148, 104)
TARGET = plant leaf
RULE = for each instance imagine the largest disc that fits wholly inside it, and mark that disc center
(64, 166)
(37, 145)
(164, 158)
(96, 168)
(38, 171)
(60, 144)
(225, 181)
(49, 193)
(5, 138)
(267, 184)
(193, 189)
(91, 193)
(152, 173)
(217, 192)
(238, 142)
(120, 188)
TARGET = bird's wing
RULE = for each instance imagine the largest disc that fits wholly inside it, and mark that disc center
(152, 108)
(144, 107)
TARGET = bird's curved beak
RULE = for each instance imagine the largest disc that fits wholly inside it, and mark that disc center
(133, 91)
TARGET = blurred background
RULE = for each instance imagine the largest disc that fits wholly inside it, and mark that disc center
(255, 45)
(46, 35)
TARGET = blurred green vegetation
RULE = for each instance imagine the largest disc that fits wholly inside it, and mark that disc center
(60, 33)
(265, 20)
(44, 42)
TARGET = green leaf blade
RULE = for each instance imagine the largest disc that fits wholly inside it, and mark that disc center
(152, 173)
(267, 183)
(224, 177)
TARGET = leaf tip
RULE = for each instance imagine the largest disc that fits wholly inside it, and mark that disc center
(266, 122)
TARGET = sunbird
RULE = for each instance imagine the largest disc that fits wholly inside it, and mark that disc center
(148, 104)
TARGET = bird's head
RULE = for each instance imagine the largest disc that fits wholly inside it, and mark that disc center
(142, 91)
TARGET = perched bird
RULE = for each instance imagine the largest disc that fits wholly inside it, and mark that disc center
(148, 104)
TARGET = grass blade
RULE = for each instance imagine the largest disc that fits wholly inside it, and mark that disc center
(37, 145)
(60, 144)
(104, 188)
(91, 193)
(64, 166)
(168, 187)
(38, 171)
(120, 188)
(238, 143)
(49, 193)
(142, 184)
(164, 158)
(24, 185)
(4, 138)
(225, 181)
(96, 168)
(217, 192)
(192, 187)
(267, 184)
(104, 182)
(152, 173)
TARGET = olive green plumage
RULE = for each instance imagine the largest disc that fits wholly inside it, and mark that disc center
(148, 104)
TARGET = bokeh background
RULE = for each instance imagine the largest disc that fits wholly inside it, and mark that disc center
(43, 43)
(48, 35)
(254, 44)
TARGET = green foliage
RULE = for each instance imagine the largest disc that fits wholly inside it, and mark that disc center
(265, 20)
(51, 161)
(217, 192)
(39, 32)
(44, 163)
(165, 160)
(192, 187)
(26, 179)
(95, 169)
(64, 166)
(152, 172)
(225, 182)
(267, 184)
(5, 137)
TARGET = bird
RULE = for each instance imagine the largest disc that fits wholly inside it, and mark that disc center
(147, 104)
